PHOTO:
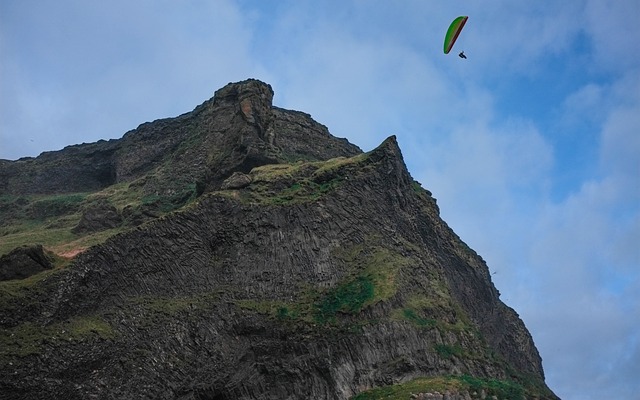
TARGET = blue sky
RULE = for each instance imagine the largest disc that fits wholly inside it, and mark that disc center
(531, 145)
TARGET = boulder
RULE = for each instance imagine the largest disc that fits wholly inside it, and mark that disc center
(24, 261)
(236, 181)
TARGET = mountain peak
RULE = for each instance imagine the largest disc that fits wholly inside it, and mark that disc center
(240, 251)
(236, 92)
(236, 130)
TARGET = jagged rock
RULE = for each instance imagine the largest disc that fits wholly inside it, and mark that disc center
(24, 261)
(237, 130)
(236, 181)
(98, 217)
(253, 99)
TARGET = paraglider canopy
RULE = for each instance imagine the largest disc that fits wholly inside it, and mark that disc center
(453, 32)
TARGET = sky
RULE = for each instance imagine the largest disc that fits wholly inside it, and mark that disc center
(531, 145)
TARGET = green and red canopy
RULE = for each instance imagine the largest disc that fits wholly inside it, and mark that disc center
(453, 32)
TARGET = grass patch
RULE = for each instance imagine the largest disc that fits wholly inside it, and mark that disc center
(48, 220)
(494, 387)
(449, 351)
(24, 290)
(405, 390)
(173, 201)
(120, 195)
(413, 317)
(151, 310)
(502, 389)
(372, 279)
(85, 242)
(276, 172)
(39, 207)
(35, 233)
(54, 206)
(38, 219)
(29, 338)
(304, 190)
(280, 184)
(331, 167)
(348, 298)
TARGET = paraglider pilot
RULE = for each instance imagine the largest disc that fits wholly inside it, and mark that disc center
(461, 55)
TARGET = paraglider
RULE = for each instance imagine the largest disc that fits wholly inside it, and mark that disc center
(452, 34)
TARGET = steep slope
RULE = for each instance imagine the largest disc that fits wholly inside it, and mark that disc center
(314, 280)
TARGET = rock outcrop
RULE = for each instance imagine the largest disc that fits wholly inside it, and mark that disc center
(23, 262)
(305, 269)
(97, 217)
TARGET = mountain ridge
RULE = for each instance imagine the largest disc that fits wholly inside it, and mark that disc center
(321, 277)
(234, 130)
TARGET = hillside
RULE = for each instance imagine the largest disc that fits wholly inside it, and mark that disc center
(240, 251)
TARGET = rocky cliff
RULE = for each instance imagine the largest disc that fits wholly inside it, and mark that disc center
(237, 129)
(301, 269)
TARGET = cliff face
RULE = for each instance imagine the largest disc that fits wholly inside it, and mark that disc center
(300, 280)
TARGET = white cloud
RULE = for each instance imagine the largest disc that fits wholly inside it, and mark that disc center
(586, 256)
(621, 144)
(111, 66)
(584, 108)
(615, 33)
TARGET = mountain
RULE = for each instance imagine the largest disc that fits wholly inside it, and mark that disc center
(240, 251)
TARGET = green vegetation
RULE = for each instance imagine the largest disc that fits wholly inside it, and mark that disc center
(151, 310)
(372, 279)
(417, 187)
(38, 219)
(304, 190)
(314, 170)
(404, 391)
(276, 172)
(334, 165)
(29, 338)
(165, 305)
(320, 307)
(502, 389)
(23, 291)
(14, 209)
(120, 195)
(54, 206)
(434, 308)
(49, 219)
(167, 203)
(448, 351)
(413, 317)
(348, 298)
(21, 234)
(279, 184)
